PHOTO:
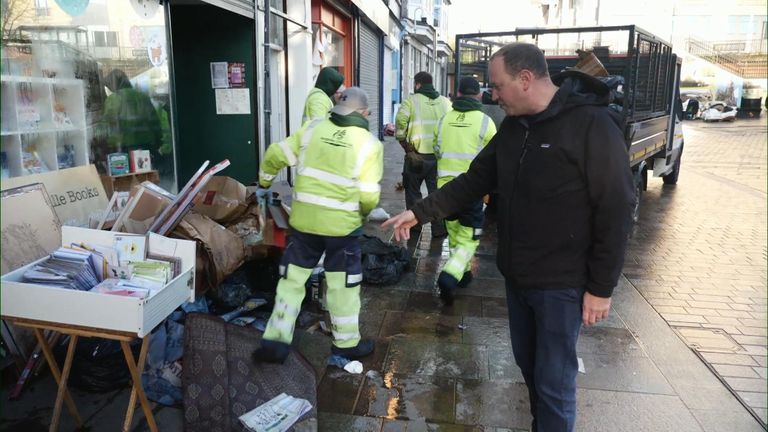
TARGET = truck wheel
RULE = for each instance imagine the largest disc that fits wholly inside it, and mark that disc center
(671, 178)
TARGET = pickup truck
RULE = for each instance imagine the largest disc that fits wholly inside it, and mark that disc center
(640, 68)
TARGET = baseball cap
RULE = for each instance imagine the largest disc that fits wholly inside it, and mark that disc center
(351, 99)
(469, 86)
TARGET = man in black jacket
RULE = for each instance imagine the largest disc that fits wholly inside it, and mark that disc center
(559, 163)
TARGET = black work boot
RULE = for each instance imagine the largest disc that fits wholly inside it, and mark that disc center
(363, 348)
(465, 280)
(447, 285)
(271, 352)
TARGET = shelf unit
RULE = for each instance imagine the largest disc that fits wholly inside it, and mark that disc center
(44, 115)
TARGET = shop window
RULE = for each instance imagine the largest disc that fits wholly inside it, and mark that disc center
(277, 30)
(329, 48)
(759, 27)
(105, 38)
(41, 8)
(745, 24)
(92, 84)
(332, 43)
(277, 4)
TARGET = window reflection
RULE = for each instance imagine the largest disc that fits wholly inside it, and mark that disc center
(328, 49)
(81, 80)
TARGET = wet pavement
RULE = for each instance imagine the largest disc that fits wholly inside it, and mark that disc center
(440, 368)
(452, 368)
(699, 253)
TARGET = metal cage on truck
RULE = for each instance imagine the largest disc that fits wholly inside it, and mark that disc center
(643, 73)
(646, 64)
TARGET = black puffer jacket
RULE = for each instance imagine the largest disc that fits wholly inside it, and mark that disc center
(565, 191)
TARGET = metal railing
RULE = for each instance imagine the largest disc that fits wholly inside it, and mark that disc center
(747, 58)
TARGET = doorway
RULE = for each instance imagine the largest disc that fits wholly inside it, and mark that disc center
(202, 34)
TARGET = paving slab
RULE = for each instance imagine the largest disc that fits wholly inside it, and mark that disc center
(436, 358)
(610, 411)
(492, 403)
(408, 397)
(700, 247)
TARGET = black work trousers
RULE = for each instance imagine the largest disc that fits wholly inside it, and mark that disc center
(421, 168)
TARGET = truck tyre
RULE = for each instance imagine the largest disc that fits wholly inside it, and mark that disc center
(671, 178)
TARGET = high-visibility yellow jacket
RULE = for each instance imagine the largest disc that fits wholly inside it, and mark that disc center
(458, 138)
(416, 119)
(317, 106)
(338, 169)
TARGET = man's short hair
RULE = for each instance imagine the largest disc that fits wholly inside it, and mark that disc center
(469, 86)
(423, 78)
(519, 55)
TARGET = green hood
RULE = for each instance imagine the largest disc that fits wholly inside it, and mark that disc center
(466, 103)
(329, 80)
(354, 119)
(428, 90)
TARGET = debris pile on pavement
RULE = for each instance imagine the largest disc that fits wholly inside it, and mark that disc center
(239, 246)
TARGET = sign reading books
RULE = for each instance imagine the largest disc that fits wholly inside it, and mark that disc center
(75, 193)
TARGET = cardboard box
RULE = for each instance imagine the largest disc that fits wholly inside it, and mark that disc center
(101, 311)
(220, 253)
(141, 210)
(223, 199)
(28, 222)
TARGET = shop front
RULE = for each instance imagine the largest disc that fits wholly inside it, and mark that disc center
(349, 36)
(82, 81)
(88, 85)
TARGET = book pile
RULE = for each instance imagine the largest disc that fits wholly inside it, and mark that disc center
(275, 415)
(65, 268)
(123, 268)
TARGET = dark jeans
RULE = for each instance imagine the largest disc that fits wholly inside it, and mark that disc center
(544, 325)
(417, 169)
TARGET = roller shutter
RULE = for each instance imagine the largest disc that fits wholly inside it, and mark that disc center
(370, 73)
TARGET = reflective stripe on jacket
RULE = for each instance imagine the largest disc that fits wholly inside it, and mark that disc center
(317, 106)
(338, 169)
(416, 120)
(459, 137)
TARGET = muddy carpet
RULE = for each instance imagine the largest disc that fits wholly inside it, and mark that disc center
(221, 382)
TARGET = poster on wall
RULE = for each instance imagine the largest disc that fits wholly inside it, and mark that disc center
(233, 101)
(236, 75)
(219, 75)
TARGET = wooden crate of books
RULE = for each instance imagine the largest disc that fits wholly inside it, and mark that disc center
(122, 309)
(124, 182)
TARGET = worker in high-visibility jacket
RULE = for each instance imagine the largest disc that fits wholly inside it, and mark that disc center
(328, 86)
(339, 164)
(414, 127)
(458, 138)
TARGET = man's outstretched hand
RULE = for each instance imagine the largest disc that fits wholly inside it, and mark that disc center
(402, 224)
